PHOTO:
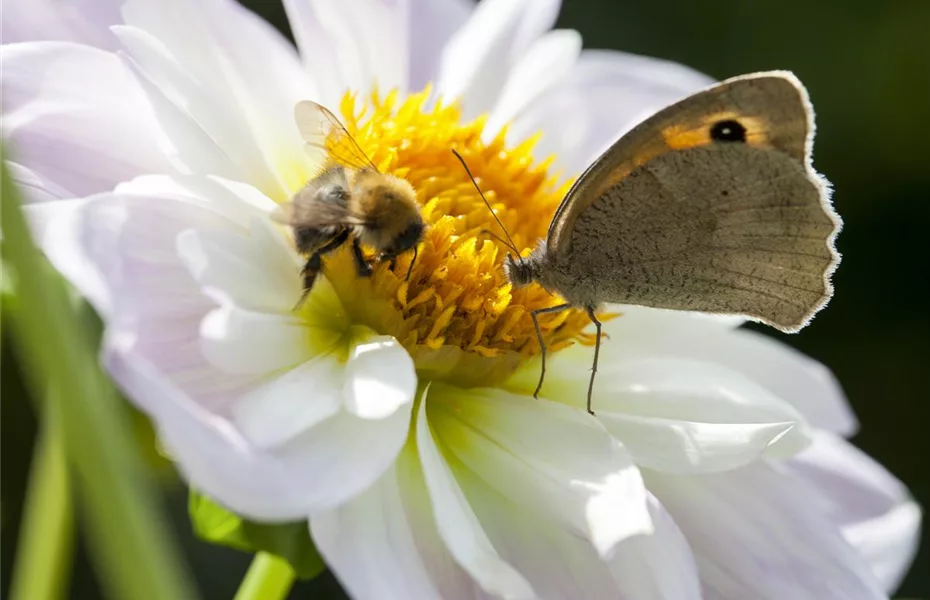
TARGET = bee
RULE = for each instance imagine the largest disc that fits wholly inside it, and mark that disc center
(347, 201)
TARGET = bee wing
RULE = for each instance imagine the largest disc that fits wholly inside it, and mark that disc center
(283, 213)
(327, 214)
(315, 214)
(326, 137)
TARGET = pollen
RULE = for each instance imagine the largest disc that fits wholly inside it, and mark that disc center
(457, 315)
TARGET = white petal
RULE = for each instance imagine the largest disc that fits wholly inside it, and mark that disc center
(795, 378)
(83, 21)
(380, 378)
(477, 60)
(319, 470)
(291, 403)
(377, 382)
(562, 564)
(75, 117)
(680, 446)
(257, 272)
(120, 250)
(323, 56)
(659, 565)
(549, 555)
(183, 140)
(220, 127)
(757, 532)
(458, 527)
(432, 23)
(133, 233)
(875, 510)
(242, 69)
(242, 341)
(545, 63)
(344, 455)
(675, 415)
(643, 334)
(238, 203)
(708, 418)
(643, 320)
(605, 94)
(58, 227)
(322, 310)
(34, 187)
(351, 45)
(529, 449)
(383, 544)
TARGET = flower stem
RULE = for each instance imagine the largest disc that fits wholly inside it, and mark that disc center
(268, 578)
(46, 539)
(127, 532)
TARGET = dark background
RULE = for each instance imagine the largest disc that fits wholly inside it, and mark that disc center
(867, 67)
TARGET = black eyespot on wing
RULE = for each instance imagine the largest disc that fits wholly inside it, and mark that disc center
(728, 131)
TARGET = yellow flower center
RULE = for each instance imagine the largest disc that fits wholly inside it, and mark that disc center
(458, 316)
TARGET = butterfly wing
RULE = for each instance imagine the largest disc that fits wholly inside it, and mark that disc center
(712, 226)
(327, 140)
(773, 108)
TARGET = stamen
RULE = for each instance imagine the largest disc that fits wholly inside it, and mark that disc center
(449, 302)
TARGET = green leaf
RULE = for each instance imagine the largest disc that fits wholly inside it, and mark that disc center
(45, 549)
(7, 287)
(131, 547)
(288, 541)
(7, 290)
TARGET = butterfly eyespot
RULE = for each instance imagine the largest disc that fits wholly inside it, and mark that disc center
(728, 131)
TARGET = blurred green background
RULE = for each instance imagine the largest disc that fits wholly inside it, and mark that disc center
(867, 67)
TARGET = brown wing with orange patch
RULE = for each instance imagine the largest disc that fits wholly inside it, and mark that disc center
(328, 141)
(766, 110)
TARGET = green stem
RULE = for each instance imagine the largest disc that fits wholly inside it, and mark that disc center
(268, 578)
(46, 539)
(127, 530)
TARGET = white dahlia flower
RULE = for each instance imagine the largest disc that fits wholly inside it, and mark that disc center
(398, 415)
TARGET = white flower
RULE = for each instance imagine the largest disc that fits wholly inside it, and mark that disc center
(399, 416)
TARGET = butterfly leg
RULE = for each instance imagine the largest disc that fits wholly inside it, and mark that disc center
(597, 351)
(361, 265)
(542, 344)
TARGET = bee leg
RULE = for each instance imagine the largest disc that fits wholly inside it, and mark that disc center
(390, 259)
(364, 269)
(385, 256)
(314, 264)
(412, 260)
(334, 243)
(309, 272)
(542, 344)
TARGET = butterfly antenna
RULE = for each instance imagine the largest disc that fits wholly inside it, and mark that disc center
(509, 241)
(490, 233)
